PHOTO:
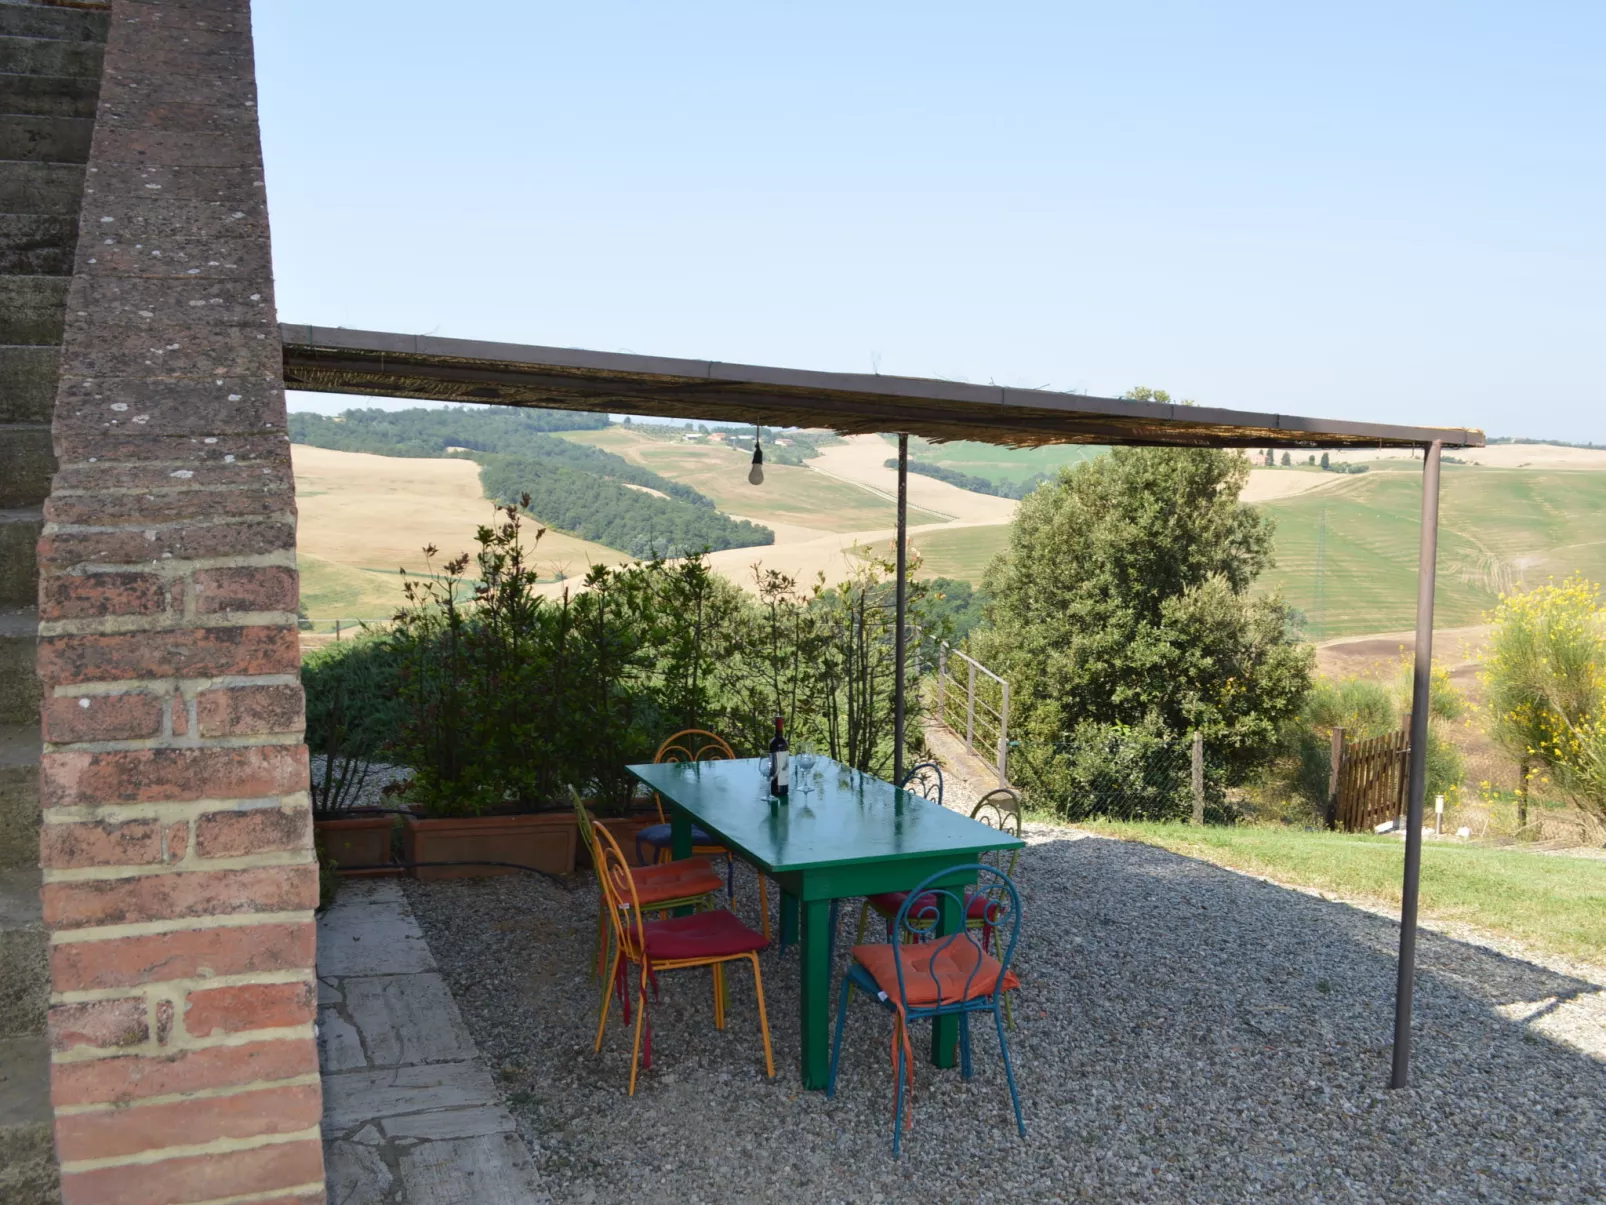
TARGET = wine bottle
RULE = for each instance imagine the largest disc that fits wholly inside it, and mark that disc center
(780, 770)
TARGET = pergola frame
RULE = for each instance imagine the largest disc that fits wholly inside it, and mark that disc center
(376, 364)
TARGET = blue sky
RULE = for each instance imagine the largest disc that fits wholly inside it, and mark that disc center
(1389, 212)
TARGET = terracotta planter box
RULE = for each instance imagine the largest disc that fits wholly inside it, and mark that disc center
(355, 840)
(546, 841)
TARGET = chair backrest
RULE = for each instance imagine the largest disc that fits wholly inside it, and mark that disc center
(949, 966)
(694, 744)
(924, 780)
(1000, 809)
(690, 745)
(582, 818)
(619, 893)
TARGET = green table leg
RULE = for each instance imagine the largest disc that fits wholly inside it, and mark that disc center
(680, 832)
(680, 843)
(945, 1030)
(815, 998)
(788, 918)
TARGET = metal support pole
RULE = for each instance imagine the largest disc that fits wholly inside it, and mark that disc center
(942, 681)
(970, 708)
(1334, 777)
(902, 609)
(1003, 738)
(1427, 569)
(1198, 777)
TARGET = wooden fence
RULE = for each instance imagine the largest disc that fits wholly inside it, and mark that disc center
(1369, 780)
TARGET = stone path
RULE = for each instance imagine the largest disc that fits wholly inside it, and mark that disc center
(411, 1116)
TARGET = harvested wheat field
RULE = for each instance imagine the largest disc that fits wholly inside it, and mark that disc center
(363, 517)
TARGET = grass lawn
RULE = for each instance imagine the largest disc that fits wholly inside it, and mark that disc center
(1552, 903)
(960, 552)
(1498, 528)
(999, 464)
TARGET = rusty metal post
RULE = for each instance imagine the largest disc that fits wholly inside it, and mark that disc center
(1421, 683)
(1198, 777)
(1333, 778)
(970, 707)
(1003, 738)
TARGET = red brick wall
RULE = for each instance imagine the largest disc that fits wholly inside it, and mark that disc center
(177, 843)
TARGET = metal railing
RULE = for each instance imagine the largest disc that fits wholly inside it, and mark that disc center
(973, 703)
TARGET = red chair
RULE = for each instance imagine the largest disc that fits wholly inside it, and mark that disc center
(709, 939)
(691, 882)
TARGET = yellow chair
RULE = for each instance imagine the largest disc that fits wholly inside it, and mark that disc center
(694, 745)
(690, 882)
(709, 939)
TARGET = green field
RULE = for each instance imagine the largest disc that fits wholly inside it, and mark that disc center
(331, 591)
(1553, 903)
(788, 495)
(1347, 554)
(1000, 464)
(960, 552)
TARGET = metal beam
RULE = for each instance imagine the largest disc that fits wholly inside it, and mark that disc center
(378, 364)
(900, 638)
(1421, 686)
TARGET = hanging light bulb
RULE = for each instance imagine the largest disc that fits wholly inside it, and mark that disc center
(755, 475)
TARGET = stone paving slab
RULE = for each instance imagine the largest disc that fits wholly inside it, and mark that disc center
(411, 1116)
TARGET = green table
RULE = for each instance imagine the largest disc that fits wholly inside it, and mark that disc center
(852, 835)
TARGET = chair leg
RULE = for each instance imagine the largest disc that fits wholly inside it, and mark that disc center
(602, 937)
(1009, 1073)
(763, 906)
(607, 992)
(635, 1053)
(719, 995)
(897, 1110)
(858, 940)
(836, 1042)
(964, 1045)
(763, 1017)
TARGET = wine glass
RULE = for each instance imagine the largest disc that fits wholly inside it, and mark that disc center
(805, 766)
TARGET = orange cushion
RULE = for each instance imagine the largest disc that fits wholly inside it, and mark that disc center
(962, 971)
(675, 880)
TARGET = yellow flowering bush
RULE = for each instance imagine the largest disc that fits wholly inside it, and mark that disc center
(1545, 672)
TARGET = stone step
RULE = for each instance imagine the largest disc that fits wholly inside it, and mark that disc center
(49, 95)
(20, 746)
(32, 307)
(19, 684)
(28, 377)
(32, 138)
(24, 969)
(62, 24)
(51, 56)
(28, 1170)
(36, 244)
(19, 560)
(27, 463)
(49, 188)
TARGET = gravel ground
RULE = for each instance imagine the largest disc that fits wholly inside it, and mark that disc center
(1184, 1034)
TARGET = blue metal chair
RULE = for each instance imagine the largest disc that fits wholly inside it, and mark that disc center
(939, 976)
(924, 780)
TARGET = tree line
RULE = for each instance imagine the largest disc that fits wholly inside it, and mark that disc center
(969, 481)
(574, 488)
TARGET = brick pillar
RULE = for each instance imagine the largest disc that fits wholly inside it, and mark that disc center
(179, 881)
